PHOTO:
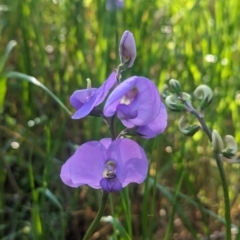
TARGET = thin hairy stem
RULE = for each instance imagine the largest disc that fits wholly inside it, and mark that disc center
(200, 119)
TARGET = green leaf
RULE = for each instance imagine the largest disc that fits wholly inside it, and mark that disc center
(34, 81)
(7, 52)
(188, 199)
(3, 90)
(51, 197)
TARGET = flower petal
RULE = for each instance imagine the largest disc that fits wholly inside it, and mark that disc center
(126, 112)
(116, 96)
(134, 170)
(132, 161)
(85, 166)
(155, 127)
(111, 185)
(79, 97)
(66, 175)
(107, 85)
(86, 108)
(106, 142)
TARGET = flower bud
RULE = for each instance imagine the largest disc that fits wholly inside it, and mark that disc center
(217, 143)
(127, 49)
(231, 148)
(174, 104)
(176, 86)
(205, 94)
(165, 91)
(186, 97)
(185, 128)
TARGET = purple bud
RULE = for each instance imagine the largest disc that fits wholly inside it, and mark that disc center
(127, 48)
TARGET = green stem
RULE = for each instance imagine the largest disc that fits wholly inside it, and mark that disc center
(114, 222)
(97, 218)
(127, 209)
(220, 169)
(225, 195)
(199, 118)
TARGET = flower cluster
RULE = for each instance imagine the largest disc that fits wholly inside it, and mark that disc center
(112, 164)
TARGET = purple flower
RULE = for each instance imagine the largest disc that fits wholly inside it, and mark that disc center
(112, 5)
(127, 49)
(105, 164)
(136, 101)
(155, 127)
(85, 100)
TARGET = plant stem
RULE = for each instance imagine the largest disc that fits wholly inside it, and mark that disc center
(225, 195)
(114, 223)
(127, 209)
(112, 129)
(200, 119)
(98, 217)
(220, 169)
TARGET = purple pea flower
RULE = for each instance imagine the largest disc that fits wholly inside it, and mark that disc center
(110, 165)
(85, 100)
(136, 101)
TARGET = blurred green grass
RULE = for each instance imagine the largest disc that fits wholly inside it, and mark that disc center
(62, 43)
